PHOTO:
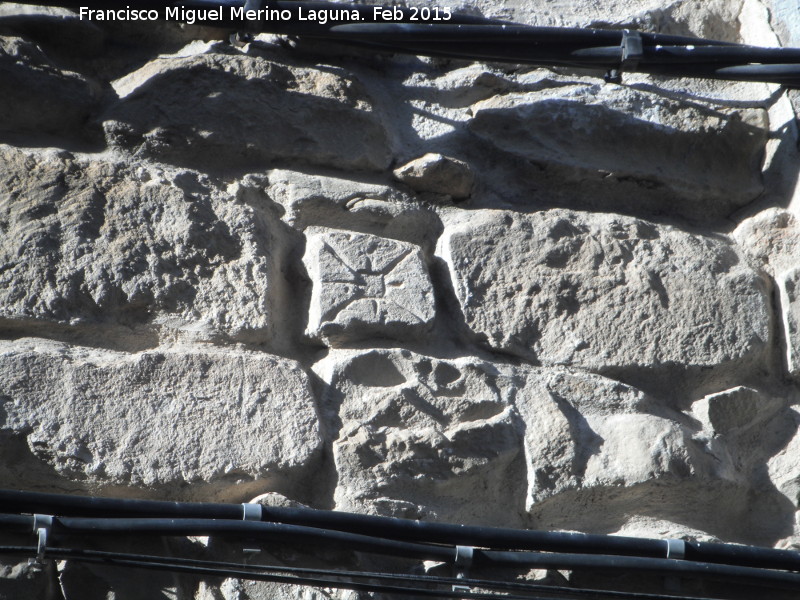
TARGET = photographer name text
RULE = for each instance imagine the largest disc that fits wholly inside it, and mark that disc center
(320, 16)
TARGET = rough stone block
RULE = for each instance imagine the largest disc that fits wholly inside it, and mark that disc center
(364, 285)
(88, 242)
(38, 98)
(603, 291)
(789, 286)
(784, 467)
(219, 108)
(423, 437)
(231, 423)
(735, 410)
(438, 174)
(465, 440)
(707, 160)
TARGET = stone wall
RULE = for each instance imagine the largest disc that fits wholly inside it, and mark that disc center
(393, 285)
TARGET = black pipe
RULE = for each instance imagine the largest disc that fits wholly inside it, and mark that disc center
(403, 529)
(252, 530)
(487, 584)
(477, 38)
(511, 33)
(164, 564)
(661, 566)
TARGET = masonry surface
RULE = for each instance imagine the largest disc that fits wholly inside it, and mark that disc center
(395, 285)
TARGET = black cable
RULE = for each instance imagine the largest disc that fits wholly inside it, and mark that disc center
(661, 566)
(160, 564)
(387, 527)
(97, 556)
(477, 38)
(252, 530)
(405, 529)
(293, 533)
(510, 33)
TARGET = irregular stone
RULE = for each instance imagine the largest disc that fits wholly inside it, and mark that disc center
(315, 200)
(785, 20)
(52, 27)
(713, 18)
(422, 437)
(236, 589)
(784, 468)
(602, 291)
(39, 98)
(178, 109)
(771, 240)
(706, 162)
(229, 422)
(88, 241)
(22, 580)
(735, 409)
(789, 286)
(585, 432)
(438, 174)
(366, 286)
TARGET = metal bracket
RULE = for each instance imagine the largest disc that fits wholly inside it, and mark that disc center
(245, 36)
(42, 524)
(676, 549)
(251, 512)
(631, 52)
(462, 564)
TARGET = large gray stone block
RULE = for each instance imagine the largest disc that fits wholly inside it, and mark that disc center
(416, 437)
(703, 161)
(771, 239)
(99, 242)
(789, 286)
(465, 440)
(602, 291)
(226, 423)
(219, 108)
(39, 98)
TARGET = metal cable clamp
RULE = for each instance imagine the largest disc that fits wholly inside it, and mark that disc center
(245, 35)
(42, 524)
(251, 512)
(631, 52)
(676, 549)
(462, 564)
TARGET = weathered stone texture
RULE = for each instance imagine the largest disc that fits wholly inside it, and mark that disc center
(784, 467)
(364, 285)
(716, 19)
(422, 437)
(98, 241)
(463, 439)
(225, 422)
(170, 110)
(438, 174)
(772, 241)
(358, 206)
(500, 295)
(600, 291)
(789, 286)
(38, 97)
(587, 436)
(592, 132)
(735, 410)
